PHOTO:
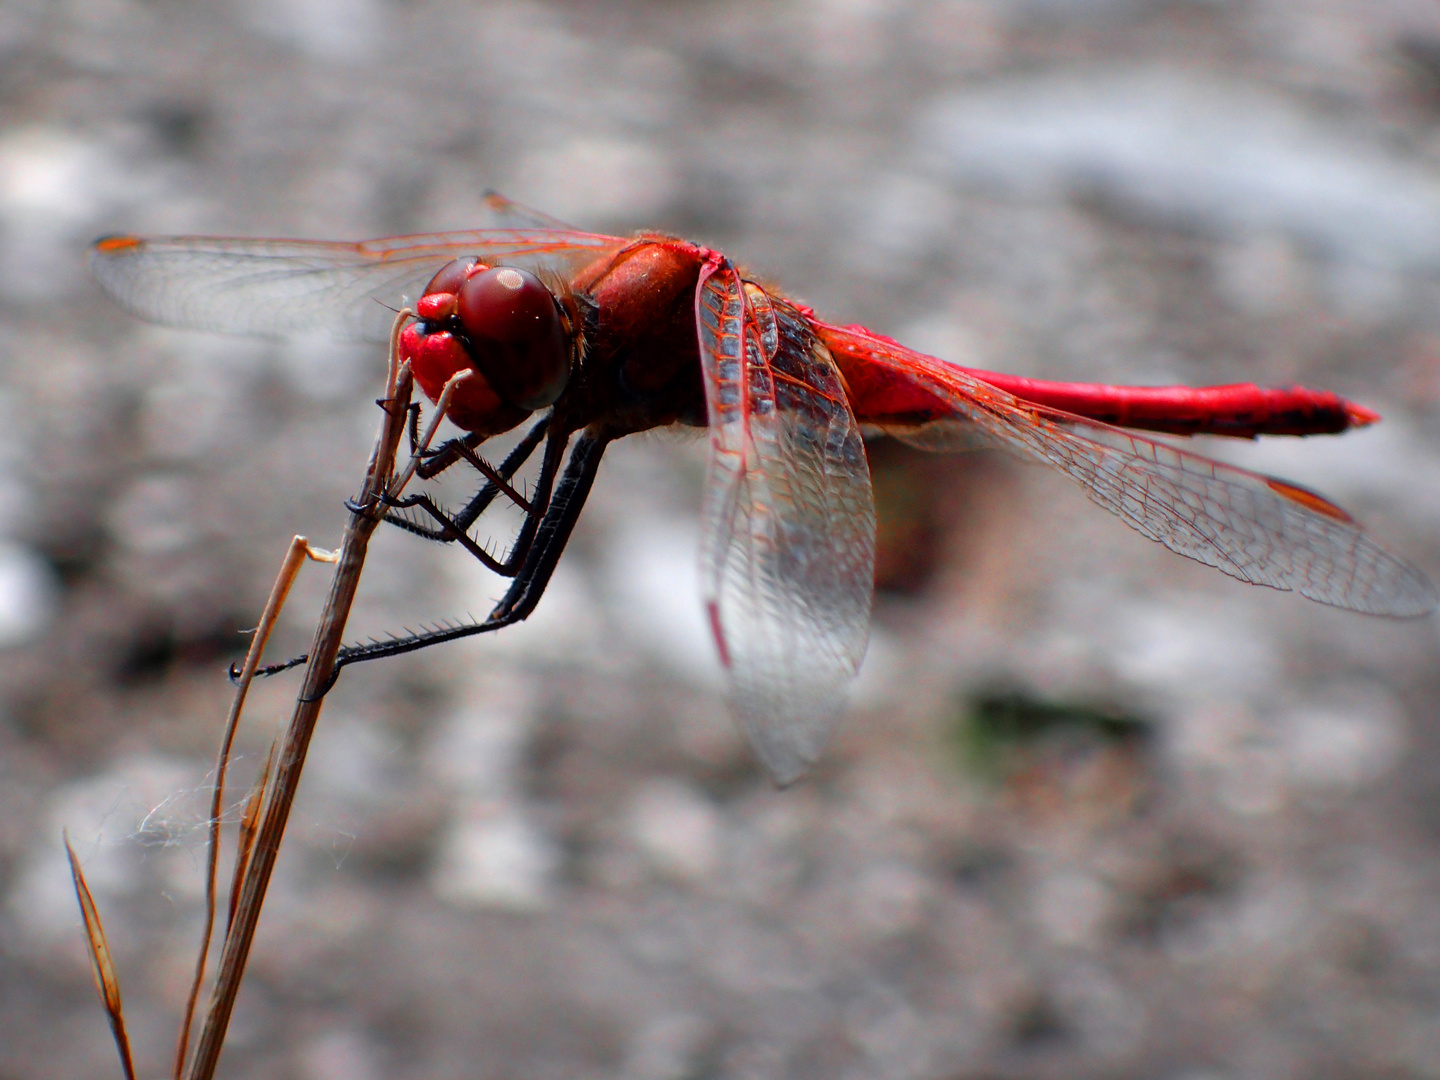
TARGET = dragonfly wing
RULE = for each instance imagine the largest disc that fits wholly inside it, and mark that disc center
(1253, 527)
(277, 288)
(788, 557)
(513, 215)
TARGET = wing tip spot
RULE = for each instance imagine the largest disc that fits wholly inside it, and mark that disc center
(1308, 499)
(110, 245)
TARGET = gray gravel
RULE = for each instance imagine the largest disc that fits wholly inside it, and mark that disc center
(549, 854)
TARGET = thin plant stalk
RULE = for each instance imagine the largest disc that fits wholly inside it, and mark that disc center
(319, 673)
(295, 557)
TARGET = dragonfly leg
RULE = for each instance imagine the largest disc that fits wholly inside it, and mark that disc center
(485, 469)
(435, 461)
(543, 553)
(480, 503)
(553, 533)
(449, 530)
(414, 427)
(454, 530)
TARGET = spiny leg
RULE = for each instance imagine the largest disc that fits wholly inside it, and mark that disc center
(414, 427)
(453, 450)
(456, 451)
(437, 461)
(549, 468)
(485, 469)
(553, 533)
(452, 530)
(449, 530)
(543, 552)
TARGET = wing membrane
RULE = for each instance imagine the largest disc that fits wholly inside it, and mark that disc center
(1252, 527)
(513, 215)
(788, 557)
(281, 287)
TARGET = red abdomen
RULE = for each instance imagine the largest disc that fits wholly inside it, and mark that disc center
(875, 369)
(1240, 409)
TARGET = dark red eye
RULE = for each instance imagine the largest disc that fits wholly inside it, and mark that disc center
(451, 276)
(516, 336)
(437, 303)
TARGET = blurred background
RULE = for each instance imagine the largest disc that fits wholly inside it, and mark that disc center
(1097, 811)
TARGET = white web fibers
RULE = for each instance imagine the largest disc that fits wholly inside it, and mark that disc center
(139, 828)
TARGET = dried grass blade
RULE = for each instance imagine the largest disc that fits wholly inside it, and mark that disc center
(295, 557)
(102, 964)
(249, 827)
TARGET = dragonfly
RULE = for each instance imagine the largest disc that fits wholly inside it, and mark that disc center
(591, 338)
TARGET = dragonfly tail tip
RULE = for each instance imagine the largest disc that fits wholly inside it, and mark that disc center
(1359, 416)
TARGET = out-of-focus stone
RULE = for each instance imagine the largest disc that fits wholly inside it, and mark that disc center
(28, 595)
(1344, 739)
(667, 1047)
(677, 828)
(1071, 907)
(339, 1055)
(890, 898)
(496, 857)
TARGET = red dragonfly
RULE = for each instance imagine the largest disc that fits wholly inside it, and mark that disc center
(605, 336)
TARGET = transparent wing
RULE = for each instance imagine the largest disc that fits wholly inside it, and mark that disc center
(788, 556)
(510, 214)
(280, 287)
(1252, 527)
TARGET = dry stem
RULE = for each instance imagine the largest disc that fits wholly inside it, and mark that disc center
(295, 557)
(257, 868)
(268, 808)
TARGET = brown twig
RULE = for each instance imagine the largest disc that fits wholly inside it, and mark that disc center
(318, 676)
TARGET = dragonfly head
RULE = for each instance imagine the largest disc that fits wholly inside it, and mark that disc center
(508, 326)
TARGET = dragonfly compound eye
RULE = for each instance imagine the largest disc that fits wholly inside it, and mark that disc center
(437, 303)
(451, 276)
(515, 334)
